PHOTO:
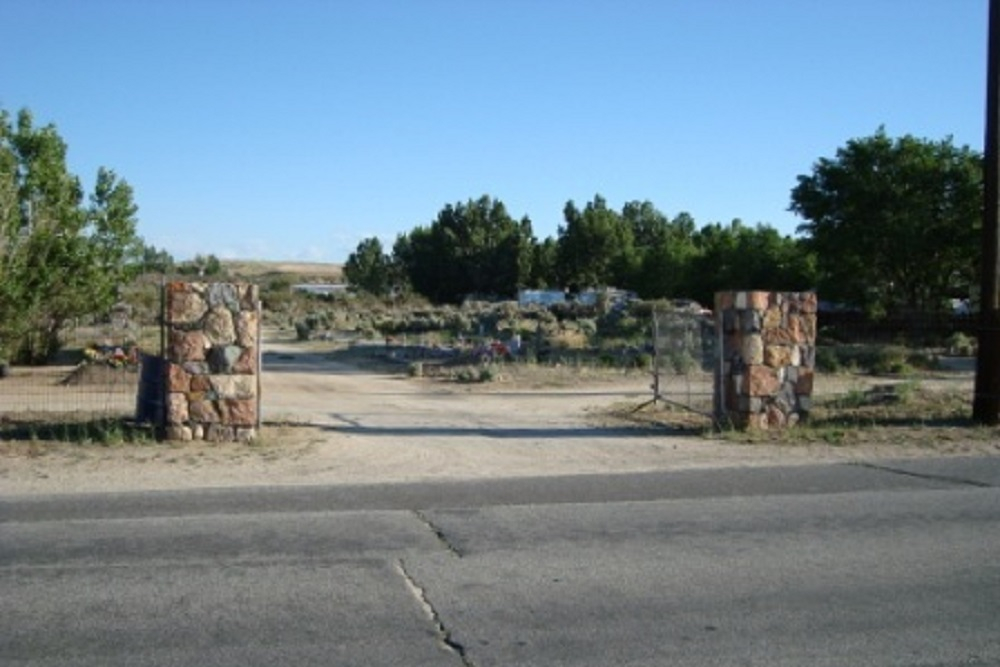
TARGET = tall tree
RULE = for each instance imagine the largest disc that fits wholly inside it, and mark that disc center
(894, 222)
(115, 251)
(155, 260)
(369, 268)
(595, 247)
(740, 257)
(666, 254)
(59, 259)
(543, 270)
(471, 248)
(649, 226)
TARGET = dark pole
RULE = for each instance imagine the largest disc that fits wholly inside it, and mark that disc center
(986, 403)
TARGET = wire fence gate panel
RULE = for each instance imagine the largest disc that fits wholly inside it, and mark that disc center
(95, 375)
(684, 359)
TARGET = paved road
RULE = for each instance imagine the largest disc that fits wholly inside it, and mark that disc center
(894, 564)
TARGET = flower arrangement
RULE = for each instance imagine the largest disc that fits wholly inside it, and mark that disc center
(110, 355)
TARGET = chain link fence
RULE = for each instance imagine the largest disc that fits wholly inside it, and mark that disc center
(684, 346)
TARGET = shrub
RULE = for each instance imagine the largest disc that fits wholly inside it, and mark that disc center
(961, 345)
(488, 373)
(827, 360)
(642, 360)
(681, 362)
(890, 360)
(302, 330)
(923, 360)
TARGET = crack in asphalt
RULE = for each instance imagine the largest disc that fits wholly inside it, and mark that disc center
(924, 475)
(438, 533)
(442, 632)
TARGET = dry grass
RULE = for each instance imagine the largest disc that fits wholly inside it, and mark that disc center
(908, 414)
(307, 270)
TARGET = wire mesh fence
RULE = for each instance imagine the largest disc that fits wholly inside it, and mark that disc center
(684, 358)
(98, 372)
(95, 374)
(853, 355)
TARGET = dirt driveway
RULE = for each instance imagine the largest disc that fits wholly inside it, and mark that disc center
(309, 387)
(330, 422)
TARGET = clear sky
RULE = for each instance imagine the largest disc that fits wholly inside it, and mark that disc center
(294, 129)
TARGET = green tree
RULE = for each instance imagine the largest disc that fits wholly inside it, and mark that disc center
(667, 252)
(544, 263)
(59, 259)
(202, 266)
(738, 257)
(595, 247)
(649, 226)
(369, 268)
(155, 260)
(471, 248)
(893, 222)
(115, 251)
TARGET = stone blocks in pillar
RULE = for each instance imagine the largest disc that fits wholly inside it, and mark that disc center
(212, 361)
(765, 380)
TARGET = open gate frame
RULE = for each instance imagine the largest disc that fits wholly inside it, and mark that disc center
(684, 358)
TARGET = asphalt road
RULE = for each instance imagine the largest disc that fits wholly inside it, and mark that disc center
(895, 564)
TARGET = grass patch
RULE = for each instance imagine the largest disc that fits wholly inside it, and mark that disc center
(901, 414)
(106, 432)
(904, 413)
(873, 359)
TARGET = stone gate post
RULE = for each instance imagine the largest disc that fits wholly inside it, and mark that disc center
(767, 355)
(213, 361)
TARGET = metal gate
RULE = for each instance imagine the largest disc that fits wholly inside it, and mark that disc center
(684, 359)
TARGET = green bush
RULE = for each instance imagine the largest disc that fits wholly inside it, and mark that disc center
(961, 345)
(469, 374)
(890, 360)
(302, 330)
(643, 360)
(923, 360)
(827, 360)
(874, 359)
(681, 362)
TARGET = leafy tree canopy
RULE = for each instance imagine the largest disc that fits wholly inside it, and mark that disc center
(369, 268)
(475, 248)
(201, 266)
(60, 258)
(893, 222)
(471, 248)
(596, 246)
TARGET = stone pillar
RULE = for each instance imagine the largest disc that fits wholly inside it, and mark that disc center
(764, 376)
(213, 389)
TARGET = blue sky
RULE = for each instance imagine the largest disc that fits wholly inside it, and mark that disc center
(295, 129)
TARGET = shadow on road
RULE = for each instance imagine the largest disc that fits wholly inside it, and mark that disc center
(339, 362)
(511, 433)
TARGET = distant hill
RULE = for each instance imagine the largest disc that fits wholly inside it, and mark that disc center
(298, 271)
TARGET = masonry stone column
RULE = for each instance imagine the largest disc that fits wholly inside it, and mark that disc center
(764, 376)
(213, 361)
